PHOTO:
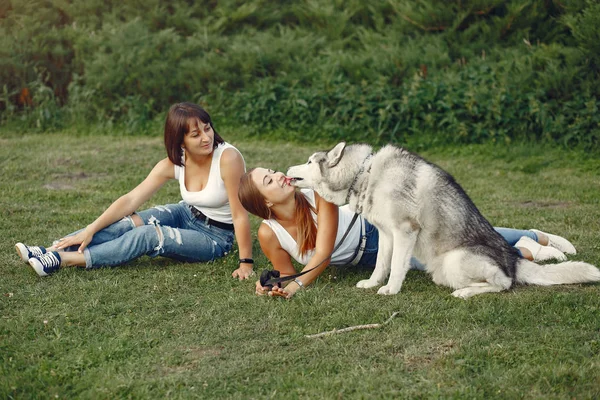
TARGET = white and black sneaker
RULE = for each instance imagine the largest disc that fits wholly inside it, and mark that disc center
(539, 252)
(45, 264)
(558, 242)
(27, 252)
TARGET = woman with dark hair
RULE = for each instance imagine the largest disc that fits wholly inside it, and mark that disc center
(291, 218)
(200, 228)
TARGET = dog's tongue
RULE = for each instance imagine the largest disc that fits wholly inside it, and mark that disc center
(290, 179)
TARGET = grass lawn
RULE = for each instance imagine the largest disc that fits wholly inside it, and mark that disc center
(157, 328)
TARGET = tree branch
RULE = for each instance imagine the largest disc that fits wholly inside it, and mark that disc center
(351, 328)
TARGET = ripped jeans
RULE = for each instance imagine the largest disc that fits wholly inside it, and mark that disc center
(169, 231)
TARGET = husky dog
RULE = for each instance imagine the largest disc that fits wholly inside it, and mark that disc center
(421, 211)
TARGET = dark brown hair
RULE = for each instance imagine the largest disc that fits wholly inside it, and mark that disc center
(254, 202)
(176, 126)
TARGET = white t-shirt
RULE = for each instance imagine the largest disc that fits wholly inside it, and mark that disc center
(342, 256)
(212, 200)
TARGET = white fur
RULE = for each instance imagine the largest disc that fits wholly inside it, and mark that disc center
(556, 274)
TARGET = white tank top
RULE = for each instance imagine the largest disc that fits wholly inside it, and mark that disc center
(212, 200)
(342, 256)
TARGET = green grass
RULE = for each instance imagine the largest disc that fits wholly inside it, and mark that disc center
(157, 328)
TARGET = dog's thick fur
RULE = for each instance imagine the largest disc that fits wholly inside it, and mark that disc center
(420, 210)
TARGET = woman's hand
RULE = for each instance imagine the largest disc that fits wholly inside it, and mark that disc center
(245, 271)
(275, 291)
(281, 292)
(82, 238)
(260, 289)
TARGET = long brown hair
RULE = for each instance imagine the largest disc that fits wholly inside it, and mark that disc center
(176, 126)
(254, 202)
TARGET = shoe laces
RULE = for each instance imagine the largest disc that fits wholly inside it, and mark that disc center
(35, 251)
(49, 260)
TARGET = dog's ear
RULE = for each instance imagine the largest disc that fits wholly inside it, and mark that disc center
(335, 155)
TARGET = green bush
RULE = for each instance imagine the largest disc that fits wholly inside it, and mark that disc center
(420, 72)
(480, 102)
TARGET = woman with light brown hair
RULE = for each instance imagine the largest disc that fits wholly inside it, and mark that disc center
(289, 231)
(199, 228)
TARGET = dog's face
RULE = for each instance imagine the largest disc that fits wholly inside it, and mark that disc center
(320, 172)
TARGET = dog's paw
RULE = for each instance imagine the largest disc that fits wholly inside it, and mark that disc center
(388, 289)
(463, 293)
(367, 284)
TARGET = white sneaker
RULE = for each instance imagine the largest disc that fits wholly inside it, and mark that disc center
(27, 252)
(558, 242)
(539, 252)
(45, 264)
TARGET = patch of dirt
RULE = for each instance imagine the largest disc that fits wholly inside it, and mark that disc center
(65, 181)
(58, 186)
(201, 352)
(64, 161)
(68, 181)
(429, 355)
(544, 204)
(193, 358)
(72, 176)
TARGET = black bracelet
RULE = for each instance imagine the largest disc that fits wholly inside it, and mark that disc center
(246, 261)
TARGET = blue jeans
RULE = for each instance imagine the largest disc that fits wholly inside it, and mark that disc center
(369, 257)
(512, 236)
(169, 231)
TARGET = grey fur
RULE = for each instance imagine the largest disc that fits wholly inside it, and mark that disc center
(419, 209)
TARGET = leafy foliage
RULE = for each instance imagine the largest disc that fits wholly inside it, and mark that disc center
(422, 72)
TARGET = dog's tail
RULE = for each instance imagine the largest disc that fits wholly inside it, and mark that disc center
(556, 274)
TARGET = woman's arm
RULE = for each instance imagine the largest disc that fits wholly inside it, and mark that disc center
(124, 205)
(327, 223)
(270, 246)
(232, 169)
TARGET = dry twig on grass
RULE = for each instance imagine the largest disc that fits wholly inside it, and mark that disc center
(351, 328)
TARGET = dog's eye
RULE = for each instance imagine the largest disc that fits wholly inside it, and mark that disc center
(309, 162)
